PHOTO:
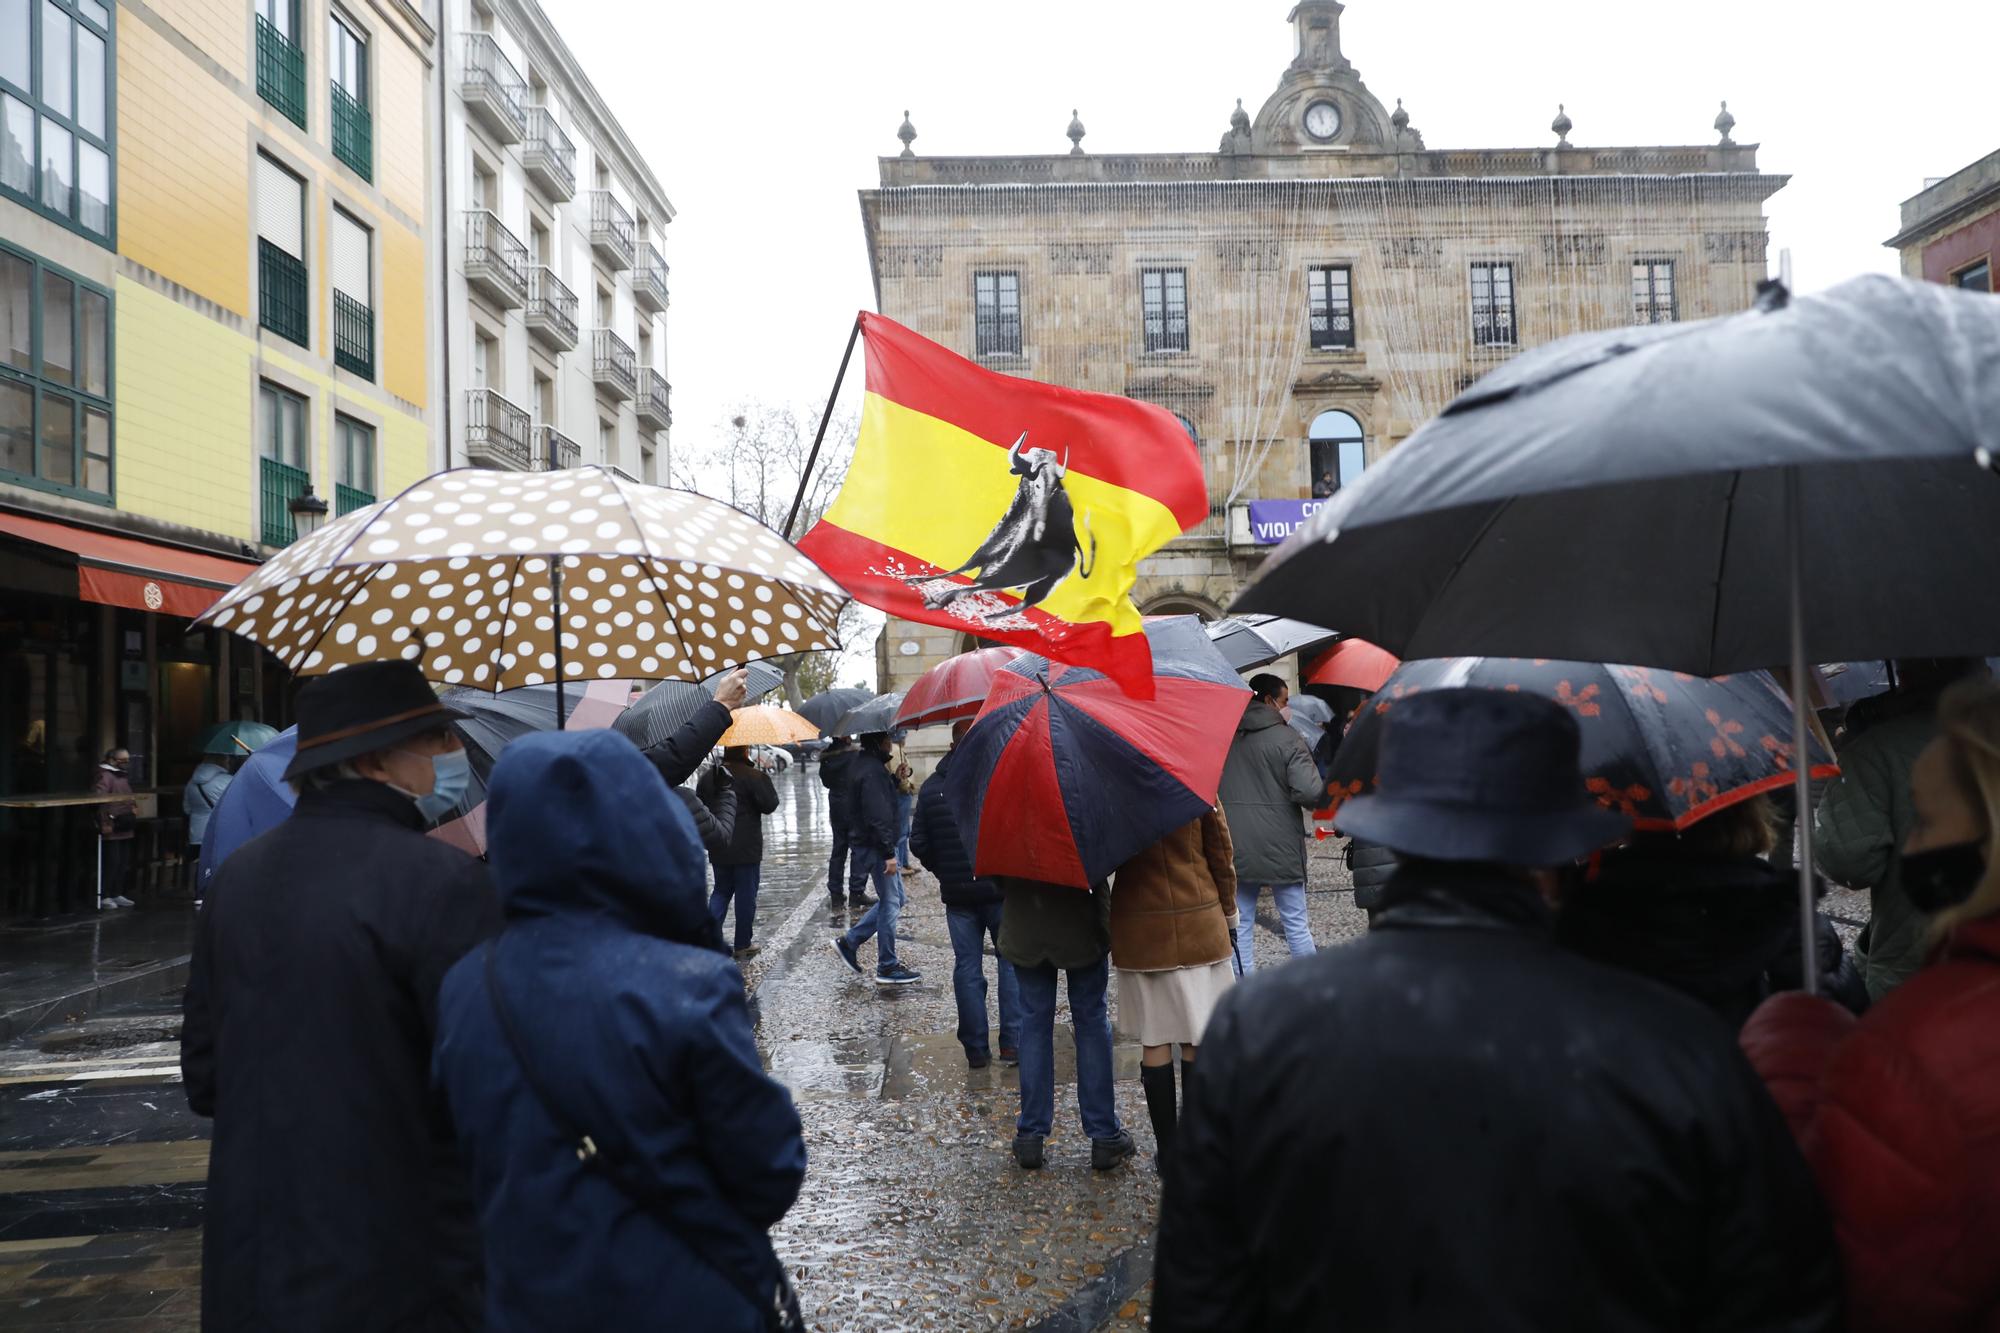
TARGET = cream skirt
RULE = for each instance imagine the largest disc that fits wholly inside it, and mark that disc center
(1162, 1008)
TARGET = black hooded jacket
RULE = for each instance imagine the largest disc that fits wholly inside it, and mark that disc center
(935, 842)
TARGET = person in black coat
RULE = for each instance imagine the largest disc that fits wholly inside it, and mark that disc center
(972, 915)
(873, 835)
(1453, 1123)
(336, 1200)
(739, 861)
(846, 880)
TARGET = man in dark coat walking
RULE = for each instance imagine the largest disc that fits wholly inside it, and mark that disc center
(972, 915)
(845, 879)
(874, 835)
(336, 1200)
(1453, 1123)
(739, 861)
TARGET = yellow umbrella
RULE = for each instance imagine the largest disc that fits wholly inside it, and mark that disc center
(762, 724)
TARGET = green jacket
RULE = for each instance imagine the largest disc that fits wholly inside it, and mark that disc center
(1054, 925)
(1858, 835)
(1268, 783)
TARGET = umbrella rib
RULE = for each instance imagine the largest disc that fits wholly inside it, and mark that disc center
(507, 626)
(1722, 560)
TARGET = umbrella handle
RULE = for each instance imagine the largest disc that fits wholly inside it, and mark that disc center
(555, 591)
(1801, 733)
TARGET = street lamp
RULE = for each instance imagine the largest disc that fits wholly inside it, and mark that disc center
(307, 510)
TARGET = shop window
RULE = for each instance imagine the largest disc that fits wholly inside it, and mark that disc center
(55, 379)
(56, 68)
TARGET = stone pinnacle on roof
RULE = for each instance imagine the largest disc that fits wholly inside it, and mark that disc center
(908, 134)
(1724, 123)
(1239, 119)
(1562, 125)
(1076, 132)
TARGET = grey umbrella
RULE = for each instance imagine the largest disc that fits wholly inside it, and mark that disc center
(1254, 641)
(1797, 482)
(672, 704)
(825, 709)
(877, 714)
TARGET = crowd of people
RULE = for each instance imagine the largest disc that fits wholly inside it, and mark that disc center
(1566, 1080)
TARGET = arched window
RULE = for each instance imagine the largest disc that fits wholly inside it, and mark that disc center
(1338, 452)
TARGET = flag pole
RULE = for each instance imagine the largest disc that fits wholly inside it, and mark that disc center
(805, 473)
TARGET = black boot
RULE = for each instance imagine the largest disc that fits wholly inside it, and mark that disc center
(1158, 1083)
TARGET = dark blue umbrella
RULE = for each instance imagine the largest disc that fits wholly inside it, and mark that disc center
(258, 799)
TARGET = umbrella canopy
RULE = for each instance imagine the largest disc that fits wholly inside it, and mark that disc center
(1064, 777)
(467, 572)
(1622, 496)
(954, 689)
(825, 709)
(763, 724)
(257, 798)
(495, 721)
(672, 704)
(1253, 641)
(1354, 664)
(1660, 747)
(235, 738)
(878, 714)
(1309, 717)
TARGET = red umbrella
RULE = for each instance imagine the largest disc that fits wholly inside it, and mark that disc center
(954, 690)
(1355, 663)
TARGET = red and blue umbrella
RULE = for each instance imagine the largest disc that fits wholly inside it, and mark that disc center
(1064, 777)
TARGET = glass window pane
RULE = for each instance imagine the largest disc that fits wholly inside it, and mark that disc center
(95, 12)
(17, 145)
(17, 428)
(95, 337)
(58, 440)
(58, 324)
(292, 430)
(55, 59)
(90, 81)
(14, 45)
(17, 313)
(93, 188)
(96, 451)
(58, 170)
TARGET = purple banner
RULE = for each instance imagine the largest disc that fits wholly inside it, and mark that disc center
(1271, 521)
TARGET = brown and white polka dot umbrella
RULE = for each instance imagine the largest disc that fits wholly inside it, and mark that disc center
(459, 574)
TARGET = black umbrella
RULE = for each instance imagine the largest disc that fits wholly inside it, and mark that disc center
(877, 714)
(491, 722)
(824, 710)
(1254, 641)
(672, 704)
(1794, 482)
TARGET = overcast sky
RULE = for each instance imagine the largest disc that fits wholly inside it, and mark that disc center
(762, 118)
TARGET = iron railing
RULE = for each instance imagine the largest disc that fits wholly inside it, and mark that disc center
(549, 156)
(551, 309)
(346, 499)
(282, 484)
(655, 400)
(353, 335)
(497, 433)
(649, 278)
(611, 231)
(281, 293)
(555, 451)
(614, 365)
(281, 72)
(495, 260)
(493, 88)
(353, 133)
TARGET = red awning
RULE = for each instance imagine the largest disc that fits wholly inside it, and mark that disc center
(132, 572)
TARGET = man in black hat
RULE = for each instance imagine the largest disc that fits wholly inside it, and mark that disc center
(335, 1199)
(1454, 1124)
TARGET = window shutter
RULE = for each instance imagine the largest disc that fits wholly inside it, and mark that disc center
(350, 258)
(280, 207)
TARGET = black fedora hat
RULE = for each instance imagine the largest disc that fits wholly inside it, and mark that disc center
(1482, 775)
(363, 708)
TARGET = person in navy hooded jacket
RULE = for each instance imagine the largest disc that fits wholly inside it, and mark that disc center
(620, 1030)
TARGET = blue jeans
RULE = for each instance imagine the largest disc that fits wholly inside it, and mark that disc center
(843, 863)
(737, 884)
(970, 927)
(904, 804)
(880, 920)
(1091, 1022)
(1290, 900)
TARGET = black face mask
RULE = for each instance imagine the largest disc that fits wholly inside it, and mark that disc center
(1943, 876)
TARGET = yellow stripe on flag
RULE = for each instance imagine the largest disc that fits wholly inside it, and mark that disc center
(934, 491)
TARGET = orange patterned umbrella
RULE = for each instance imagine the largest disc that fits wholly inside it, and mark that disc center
(764, 724)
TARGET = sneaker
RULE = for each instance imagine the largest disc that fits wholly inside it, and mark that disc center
(1108, 1153)
(110, 904)
(846, 952)
(861, 900)
(123, 901)
(747, 952)
(1028, 1151)
(1009, 1056)
(896, 975)
(979, 1060)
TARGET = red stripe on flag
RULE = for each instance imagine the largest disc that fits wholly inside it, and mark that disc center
(873, 574)
(1138, 446)
(1024, 779)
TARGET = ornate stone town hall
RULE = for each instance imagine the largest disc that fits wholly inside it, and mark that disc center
(1303, 296)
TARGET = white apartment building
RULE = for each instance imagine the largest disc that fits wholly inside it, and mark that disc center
(553, 346)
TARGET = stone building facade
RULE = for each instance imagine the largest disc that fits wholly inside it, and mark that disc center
(1304, 296)
(1951, 228)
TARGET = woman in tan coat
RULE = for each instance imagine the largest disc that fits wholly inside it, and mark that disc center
(1173, 915)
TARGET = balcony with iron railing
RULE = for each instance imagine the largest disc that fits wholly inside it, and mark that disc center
(493, 89)
(655, 401)
(649, 279)
(612, 235)
(613, 365)
(353, 133)
(347, 499)
(353, 335)
(496, 263)
(551, 310)
(281, 72)
(281, 293)
(497, 433)
(555, 451)
(548, 156)
(280, 484)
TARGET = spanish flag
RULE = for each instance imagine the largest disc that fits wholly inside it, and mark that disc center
(1010, 509)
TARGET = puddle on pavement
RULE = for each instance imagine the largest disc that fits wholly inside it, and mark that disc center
(856, 1067)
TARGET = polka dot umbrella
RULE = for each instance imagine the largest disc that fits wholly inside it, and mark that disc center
(468, 572)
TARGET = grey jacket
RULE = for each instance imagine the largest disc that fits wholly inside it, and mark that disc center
(1268, 784)
(1858, 834)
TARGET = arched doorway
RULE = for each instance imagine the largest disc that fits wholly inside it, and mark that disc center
(1338, 452)
(1180, 604)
